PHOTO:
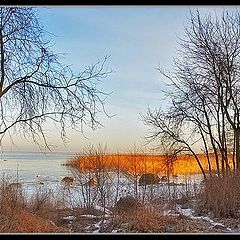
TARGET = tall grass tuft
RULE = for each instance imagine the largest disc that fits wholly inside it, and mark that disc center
(221, 196)
(19, 214)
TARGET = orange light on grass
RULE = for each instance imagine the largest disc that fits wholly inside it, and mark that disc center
(136, 164)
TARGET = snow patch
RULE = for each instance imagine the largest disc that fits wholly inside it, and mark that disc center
(90, 216)
(189, 213)
(95, 228)
(103, 209)
(69, 218)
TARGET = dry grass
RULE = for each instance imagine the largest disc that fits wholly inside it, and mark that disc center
(127, 204)
(146, 220)
(43, 213)
(140, 220)
(139, 163)
(27, 222)
(221, 196)
(21, 215)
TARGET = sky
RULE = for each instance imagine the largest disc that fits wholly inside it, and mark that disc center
(139, 39)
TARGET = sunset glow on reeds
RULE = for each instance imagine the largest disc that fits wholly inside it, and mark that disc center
(137, 164)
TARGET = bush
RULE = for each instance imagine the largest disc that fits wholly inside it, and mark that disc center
(221, 196)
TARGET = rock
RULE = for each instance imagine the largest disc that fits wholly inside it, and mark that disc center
(68, 180)
(164, 179)
(127, 204)
(15, 186)
(148, 178)
(92, 228)
(219, 226)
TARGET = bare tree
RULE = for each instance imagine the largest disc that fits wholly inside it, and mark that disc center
(204, 91)
(169, 132)
(35, 87)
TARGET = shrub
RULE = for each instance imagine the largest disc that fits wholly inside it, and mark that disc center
(221, 196)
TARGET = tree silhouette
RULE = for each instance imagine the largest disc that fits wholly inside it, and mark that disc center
(204, 92)
(35, 87)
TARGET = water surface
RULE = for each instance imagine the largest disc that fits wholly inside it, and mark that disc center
(30, 166)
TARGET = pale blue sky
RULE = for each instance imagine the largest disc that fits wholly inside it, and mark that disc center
(138, 38)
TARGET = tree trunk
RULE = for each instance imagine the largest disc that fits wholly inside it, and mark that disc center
(237, 135)
(207, 152)
(2, 63)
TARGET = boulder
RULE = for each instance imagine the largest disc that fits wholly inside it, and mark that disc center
(67, 180)
(127, 204)
(14, 186)
(148, 178)
(164, 179)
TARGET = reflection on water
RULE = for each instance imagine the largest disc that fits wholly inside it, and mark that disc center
(29, 166)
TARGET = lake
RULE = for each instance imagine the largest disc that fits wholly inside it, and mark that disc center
(37, 170)
(30, 166)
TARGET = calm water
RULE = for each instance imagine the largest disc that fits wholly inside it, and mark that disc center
(30, 166)
(38, 171)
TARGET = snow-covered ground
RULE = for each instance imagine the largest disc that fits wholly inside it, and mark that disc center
(112, 187)
(45, 178)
